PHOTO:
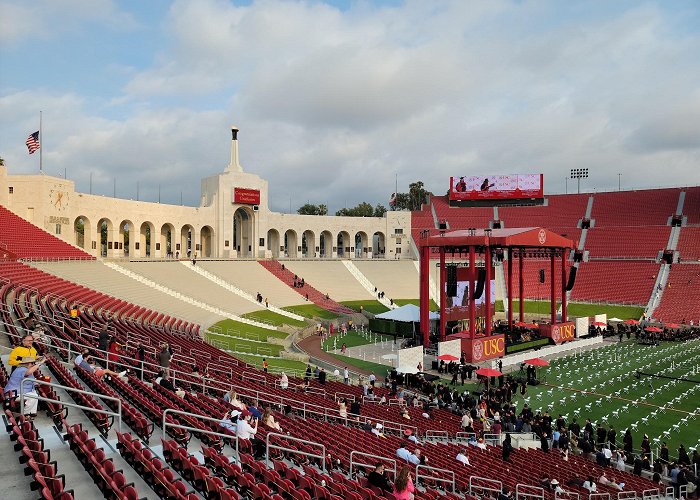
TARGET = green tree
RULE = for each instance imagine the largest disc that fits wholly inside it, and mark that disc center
(364, 209)
(310, 209)
(416, 196)
(379, 210)
(2, 162)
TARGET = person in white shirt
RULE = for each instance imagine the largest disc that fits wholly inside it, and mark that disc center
(590, 485)
(227, 422)
(467, 420)
(462, 457)
(620, 465)
(406, 455)
(372, 379)
(284, 381)
(612, 483)
(243, 429)
(555, 486)
(346, 375)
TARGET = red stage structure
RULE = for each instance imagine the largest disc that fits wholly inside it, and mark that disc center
(516, 243)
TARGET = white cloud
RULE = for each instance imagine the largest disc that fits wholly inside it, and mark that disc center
(332, 104)
(44, 19)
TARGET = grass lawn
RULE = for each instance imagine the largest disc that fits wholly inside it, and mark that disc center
(575, 309)
(311, 311)
(244, 330)
(352, 339)
(273, 318)
(276, 364)
(372, 306)
(609, 373)
(241, 345)
(416, 302)
(378, 369)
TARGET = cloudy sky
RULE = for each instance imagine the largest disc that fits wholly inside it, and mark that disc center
(336, 98)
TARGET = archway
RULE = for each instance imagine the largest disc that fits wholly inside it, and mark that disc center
(187, 242)
(126, 238)
(361, 244)
(378, 245)
(273, 242)
(243, 232)
(206, 236)
(167, 247)
(325, 245)
(343, 244)
(106, 229)
(290, 243)
(308, 244)
(83, 233)
(146, 232)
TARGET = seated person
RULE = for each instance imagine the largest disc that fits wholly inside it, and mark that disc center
(232, 399)
(165, 382)
(268, 419)
(406, 455)
(228, 421)
(80, 357)
(590, 485)
(554, 485)
(462, 457)
(378, 478)
(88, 365)
(610, 482)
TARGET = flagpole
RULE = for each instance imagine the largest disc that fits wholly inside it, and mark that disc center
(41, 146)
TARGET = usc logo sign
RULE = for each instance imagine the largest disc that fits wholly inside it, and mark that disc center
(567, 331)
(489, 348)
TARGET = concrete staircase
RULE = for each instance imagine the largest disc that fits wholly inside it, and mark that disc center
(185, 298)
(234, 289)
(365, 282)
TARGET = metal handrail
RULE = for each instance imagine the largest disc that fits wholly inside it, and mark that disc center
(436, 435)
(491, 485)
(521, 491)
(627, 495)
(436, 478)
(383, 459)
(599, 496)
(268, 463)
(117, 414)
(566, 495)
(165, 425)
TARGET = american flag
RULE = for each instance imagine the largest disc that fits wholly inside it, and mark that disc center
(33, 142)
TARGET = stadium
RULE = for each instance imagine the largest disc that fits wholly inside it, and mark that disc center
(499, 341)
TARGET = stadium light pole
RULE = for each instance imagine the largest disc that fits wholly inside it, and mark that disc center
(578, 174)
(618, 181)
(566, 185)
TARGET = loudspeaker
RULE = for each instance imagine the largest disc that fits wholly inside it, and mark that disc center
(541, 275)
(480, 283)
(572, 278)
(451, 281)
(442, 226)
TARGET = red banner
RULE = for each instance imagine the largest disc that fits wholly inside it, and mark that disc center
(560, 332)
(481, 348)
(497, 187)
(246, 196)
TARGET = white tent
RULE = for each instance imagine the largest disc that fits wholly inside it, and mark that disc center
(407, 314)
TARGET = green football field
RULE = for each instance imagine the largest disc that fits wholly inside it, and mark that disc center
(602, 385)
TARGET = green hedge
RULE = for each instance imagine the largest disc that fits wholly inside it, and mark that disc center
(393, 328)
(510, 349)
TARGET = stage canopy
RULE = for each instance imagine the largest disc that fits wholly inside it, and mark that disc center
(409, 313)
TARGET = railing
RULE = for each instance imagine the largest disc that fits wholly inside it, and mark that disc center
(526, 491)
(254, 377)
(566, 495)
(465, 436)
(493, 439)
(269, 446)
(482, 486)
(435, 477)
(378, 458)
(599, 496)
(117, 414)
(627, 495)
(196, 429)
(431, 435)
(650, 494)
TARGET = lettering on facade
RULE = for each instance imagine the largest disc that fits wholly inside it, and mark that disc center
(58, 220)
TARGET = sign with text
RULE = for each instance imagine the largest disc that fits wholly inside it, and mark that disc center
(481, 348)
(559, 332)
(245, 196)
(497, 187)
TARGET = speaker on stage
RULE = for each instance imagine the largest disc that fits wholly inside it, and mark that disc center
(480, 283)
(451, 281)
(572, 278)
(541, 275)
